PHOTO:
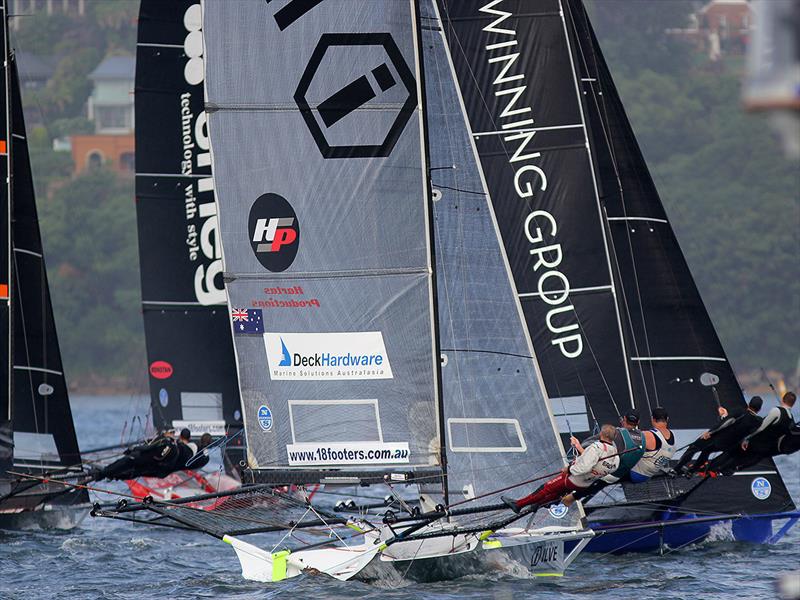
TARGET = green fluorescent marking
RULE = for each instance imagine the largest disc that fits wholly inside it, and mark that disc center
(279, 565)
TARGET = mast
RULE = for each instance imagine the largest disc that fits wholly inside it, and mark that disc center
(9, 204)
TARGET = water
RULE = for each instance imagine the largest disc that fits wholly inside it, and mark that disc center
(109, 559)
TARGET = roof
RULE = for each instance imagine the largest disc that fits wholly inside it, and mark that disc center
(32, 66)
(115, 67)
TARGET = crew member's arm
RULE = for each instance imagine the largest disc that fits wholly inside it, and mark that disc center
(576, 444)
(772, 416)
(651, 441)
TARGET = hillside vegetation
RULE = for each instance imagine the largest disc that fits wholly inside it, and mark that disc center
(731, 195)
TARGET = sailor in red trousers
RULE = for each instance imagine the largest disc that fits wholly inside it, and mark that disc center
(598, 460)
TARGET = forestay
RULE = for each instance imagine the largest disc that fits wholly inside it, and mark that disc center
(319, 174)
(192, 373)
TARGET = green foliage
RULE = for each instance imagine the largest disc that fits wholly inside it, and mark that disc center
(729, 192)
(89, 234)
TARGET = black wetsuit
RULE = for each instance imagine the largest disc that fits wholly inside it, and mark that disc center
(159, 458)
(762, 443)
(725, 436)
(790, 443)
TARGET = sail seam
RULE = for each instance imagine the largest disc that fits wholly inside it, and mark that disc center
(649, 358)
(330, 274)
(595, 288)
(529, 130)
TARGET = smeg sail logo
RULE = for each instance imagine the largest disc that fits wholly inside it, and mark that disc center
(274, 232)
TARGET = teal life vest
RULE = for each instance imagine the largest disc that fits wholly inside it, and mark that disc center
(636, 447)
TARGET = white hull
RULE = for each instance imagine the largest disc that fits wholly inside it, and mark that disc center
(459, 554)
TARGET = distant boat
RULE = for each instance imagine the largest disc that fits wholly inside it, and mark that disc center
(192, 373)
(37, 434)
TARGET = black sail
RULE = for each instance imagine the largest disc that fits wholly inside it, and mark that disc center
(513, 62)
(192, 372)
(669, 334)
(38, 409)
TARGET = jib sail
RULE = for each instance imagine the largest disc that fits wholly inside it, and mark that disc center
(317, 146)
(192, 373)
(497, 420)
(36, 417)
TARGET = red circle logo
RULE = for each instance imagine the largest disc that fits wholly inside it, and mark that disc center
(161, 369)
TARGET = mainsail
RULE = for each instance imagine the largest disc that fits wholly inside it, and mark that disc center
(320, 178)
(189, 348)
(36, 430)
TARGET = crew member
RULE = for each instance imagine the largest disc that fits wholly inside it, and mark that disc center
(659, 448)
(598, 460)
(726, 435)
(790, 443)
(157, 458)
(201, 457)
(630, 445)
(763, 442)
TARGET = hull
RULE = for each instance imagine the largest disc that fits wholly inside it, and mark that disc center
(670, 533)
(430, 559)
(47, 517)
(183, 484)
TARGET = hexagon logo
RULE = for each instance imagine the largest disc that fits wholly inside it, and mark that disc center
(356, 95)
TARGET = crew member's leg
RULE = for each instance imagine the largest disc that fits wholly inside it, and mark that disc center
(696, 446)
(550, 492)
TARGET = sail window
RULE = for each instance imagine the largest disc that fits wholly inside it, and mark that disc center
(201, 406)
(35, 446)
(335, 421)
(570, 414)
(485, 435)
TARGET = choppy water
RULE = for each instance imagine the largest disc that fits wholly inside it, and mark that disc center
(108, 559)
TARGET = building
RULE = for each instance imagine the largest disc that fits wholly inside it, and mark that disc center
(720, 27)
(111, 101)
(34, 71)
(110, 108)
(29, 7)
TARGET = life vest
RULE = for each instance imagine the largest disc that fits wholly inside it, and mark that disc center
(632, 452)
(654, 462)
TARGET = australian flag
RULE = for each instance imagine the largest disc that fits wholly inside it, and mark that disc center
(247, 320)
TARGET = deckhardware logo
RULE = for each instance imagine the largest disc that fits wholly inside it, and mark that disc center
(318, 356)
(274, 232)
(328, 359)
(356, 453)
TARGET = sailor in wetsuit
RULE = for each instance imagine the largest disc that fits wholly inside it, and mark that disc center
(201, 457)
(726, 435)
(598, 460)
(157, 458)
(760, 444)
(659, 448)
(630, 444)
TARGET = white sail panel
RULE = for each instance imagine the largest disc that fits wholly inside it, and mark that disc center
(316, 139)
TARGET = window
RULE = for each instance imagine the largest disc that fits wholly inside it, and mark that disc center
(126, 162)
(94, 160)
